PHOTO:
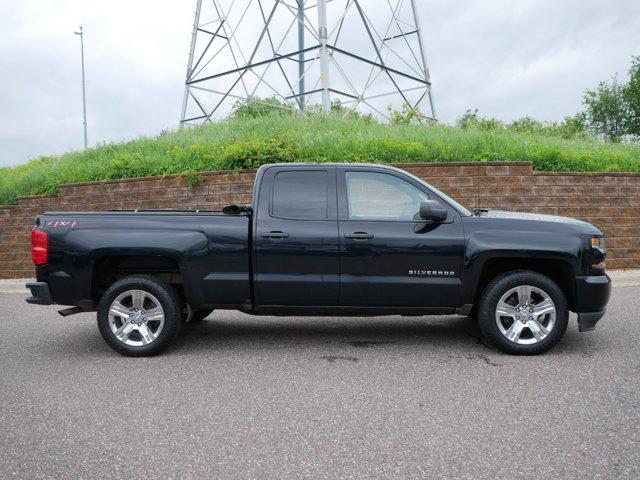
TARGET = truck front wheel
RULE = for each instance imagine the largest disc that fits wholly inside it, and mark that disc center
(139, 316)
(523, 313)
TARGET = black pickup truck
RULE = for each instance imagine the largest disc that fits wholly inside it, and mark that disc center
(324, 239)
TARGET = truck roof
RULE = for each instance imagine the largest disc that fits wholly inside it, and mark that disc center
(328, 164)
(353, 165)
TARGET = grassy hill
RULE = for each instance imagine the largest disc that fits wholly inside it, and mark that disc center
(250, 142)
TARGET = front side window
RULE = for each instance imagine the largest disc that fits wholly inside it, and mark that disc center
(379, 196)
(301, 195)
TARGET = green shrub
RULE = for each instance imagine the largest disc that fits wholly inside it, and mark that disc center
(471, 120)
(261, 107)
(408, 115)
(249, 141)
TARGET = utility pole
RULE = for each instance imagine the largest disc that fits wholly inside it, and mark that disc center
(423, 55)
(239, 54)
(194, 36)
(323, 33)
(84, 95)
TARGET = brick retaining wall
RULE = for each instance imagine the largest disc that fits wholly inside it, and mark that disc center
(610, 201)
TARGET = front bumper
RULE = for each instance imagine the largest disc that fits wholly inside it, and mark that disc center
(592, 295)
(40, 293)
(587, 320)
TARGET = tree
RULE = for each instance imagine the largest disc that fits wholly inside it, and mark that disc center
(631, 95)
(607, 110)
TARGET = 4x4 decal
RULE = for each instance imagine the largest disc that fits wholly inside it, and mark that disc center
(62, 223)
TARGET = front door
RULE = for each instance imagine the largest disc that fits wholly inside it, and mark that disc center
(390, 257)
(296, 238)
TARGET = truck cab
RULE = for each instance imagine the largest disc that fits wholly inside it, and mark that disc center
(352, 237)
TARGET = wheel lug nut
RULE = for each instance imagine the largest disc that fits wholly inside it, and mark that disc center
(530, 318)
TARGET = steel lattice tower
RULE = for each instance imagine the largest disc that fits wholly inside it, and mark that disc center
(367, 54)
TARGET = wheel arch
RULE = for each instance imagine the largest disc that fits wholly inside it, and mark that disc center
(109, 268)
(560, 271)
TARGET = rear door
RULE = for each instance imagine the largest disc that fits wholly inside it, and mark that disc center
(296, 238)
(390, 257)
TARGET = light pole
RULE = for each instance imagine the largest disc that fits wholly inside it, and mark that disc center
(84, 96)
(301, 86)
(324, 56)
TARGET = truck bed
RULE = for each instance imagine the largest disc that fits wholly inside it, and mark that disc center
(211, 251)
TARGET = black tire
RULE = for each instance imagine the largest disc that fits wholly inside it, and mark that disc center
(199, 315)
(169, 300)
(498, 287)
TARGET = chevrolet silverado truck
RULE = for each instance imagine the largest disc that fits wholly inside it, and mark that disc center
(323, 239)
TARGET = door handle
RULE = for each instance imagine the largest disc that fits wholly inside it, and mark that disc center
(275, 234)
(359, 236)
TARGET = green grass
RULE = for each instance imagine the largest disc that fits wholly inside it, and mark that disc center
(240, 143)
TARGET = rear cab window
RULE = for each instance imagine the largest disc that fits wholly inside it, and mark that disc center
(300, 195)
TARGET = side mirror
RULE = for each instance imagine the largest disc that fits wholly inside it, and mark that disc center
(433, 211)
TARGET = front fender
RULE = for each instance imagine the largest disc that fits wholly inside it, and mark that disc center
(485, 246)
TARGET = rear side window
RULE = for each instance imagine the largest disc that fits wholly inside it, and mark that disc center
(301, 195)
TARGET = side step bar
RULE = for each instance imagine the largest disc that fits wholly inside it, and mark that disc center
(71, 311)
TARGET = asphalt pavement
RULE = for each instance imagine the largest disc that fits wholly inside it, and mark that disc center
(245, 397)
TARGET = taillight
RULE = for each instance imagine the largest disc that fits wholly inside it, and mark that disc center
(39, 247)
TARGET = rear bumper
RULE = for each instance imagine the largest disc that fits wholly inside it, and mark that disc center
(40, 293)
(592, 295)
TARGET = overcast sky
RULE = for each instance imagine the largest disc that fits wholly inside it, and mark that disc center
(506, 58)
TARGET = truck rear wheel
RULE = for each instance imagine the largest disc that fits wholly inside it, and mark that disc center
(139, 316)
(523, 313)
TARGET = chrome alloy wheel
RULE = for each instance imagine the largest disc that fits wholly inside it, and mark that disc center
(525, 315)
(136, 318)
